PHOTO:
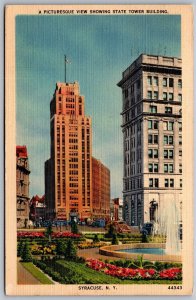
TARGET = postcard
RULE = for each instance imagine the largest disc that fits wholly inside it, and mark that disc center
(99, 149)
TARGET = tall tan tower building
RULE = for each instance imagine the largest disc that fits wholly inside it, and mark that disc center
(68, 172)
(152, 136)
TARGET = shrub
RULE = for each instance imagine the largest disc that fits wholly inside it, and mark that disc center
(145, 238)
(60, 247)
(70, 251)
(26, 254)
(20, 247)
(111, 231)
(96, 238)
(114, 239)
(74, 228)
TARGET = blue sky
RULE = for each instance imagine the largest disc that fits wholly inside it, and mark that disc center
(100, 48)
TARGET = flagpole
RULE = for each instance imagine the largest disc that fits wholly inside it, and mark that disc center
(65, 67)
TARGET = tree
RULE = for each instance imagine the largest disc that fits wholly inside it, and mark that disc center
(49, 231)
(60, 248)
(26, 254)
(70, 251)
(20, 247)
(96, 238)
(114, 239)
(111, 230)
(74, 227)
(145, 238)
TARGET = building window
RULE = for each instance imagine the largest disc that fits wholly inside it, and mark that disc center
(164, 96)
(153, 153)
(168, 110)
(152, 139)
(153, 109)
(180, 168)
(169, 154)
(168, 140)
(149, 80)
(126, 93)
(138, 84)
(169, 182)
(153, 182)
(152, 124)
(156, 95)
(179, 83)
(156, 81)
(171, 82)
(166, 182)
(180, 126)
(168, 168)
(180, 140)
(181, 183)
(180, 97)
(150, 182)
(149, 94)
(168, 126)
(171, 96)
(180, 152)
(164, 82)
(153, 168)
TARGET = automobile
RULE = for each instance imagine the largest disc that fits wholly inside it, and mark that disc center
(147, 228)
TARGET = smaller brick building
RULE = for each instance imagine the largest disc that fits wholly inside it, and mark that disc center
(101, 190)
(22, 186)
(37, 208)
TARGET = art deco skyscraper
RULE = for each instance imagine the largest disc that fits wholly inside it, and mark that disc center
(68, 172)
(152, 136)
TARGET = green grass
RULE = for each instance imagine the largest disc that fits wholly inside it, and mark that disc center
(89, 276)
(36, 273)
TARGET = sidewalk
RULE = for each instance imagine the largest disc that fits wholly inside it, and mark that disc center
(24, 277)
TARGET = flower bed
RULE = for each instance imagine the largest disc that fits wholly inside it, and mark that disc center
(139, 273)
(40, 249)
(28, 234)
(88, 245)
(65, 234)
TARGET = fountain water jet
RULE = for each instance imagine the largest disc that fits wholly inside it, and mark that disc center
(167, 224)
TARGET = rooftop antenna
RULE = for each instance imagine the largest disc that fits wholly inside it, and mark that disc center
(66, 62)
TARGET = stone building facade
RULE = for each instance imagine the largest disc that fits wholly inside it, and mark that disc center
(22, 186)
(152, 136)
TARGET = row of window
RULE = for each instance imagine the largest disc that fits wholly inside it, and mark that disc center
(167, 139)
(152, 124)
(152, 153)
(168, 168)
(168, 183)
(153, 109)
(166, 82)
(165, 96)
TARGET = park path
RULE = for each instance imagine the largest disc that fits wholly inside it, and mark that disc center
(24, 277)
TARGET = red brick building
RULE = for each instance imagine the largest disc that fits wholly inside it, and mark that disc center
(101, 190)
(37, 208)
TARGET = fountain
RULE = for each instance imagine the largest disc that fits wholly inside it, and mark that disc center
(167, 224)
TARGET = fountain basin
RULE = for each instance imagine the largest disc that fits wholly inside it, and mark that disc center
(123, 251)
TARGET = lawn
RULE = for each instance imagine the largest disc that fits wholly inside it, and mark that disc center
(29, 266)
(79, 273)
